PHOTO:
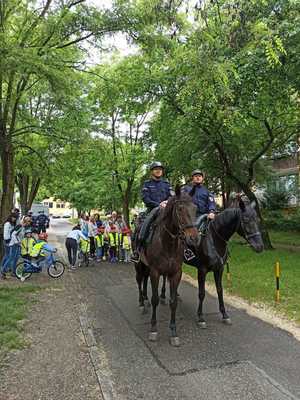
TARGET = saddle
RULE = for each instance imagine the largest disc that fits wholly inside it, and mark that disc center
(148, 227)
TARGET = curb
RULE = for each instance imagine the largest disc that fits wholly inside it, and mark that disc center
(97, 357)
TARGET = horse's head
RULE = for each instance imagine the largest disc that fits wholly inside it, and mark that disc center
(248, 227)
(183, 213)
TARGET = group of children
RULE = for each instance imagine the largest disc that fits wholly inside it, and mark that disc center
(33, 248)
(110, 244)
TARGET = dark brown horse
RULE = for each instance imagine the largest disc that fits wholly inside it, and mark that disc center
(212, 252)
(175, 229)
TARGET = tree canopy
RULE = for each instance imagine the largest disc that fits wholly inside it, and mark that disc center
(213, 85)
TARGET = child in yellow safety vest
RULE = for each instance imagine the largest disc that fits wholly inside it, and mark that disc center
(99, 241)
(125, 244)
(41, 249)
(84, 246)
(113, 240)
(27, 244)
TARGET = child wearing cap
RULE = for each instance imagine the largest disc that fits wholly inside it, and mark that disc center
(41, 248)
(99, 241)
(126, 244)
(113, 240)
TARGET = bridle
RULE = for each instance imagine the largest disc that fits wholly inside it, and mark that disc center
(246, 236)
(181, 227)
(239, 222)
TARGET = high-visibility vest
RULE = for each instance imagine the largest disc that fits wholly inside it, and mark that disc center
(113, 239)
(99, 240)
(26, 246)
(84, 245)
(126, 242)
(37, 249)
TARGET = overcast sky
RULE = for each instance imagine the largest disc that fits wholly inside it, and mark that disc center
(118, 41)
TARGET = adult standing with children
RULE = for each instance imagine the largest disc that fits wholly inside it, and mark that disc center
(72, 241)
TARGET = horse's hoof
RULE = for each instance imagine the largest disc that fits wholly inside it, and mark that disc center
(226, 321)
(153, 336)
(163, 301)
(202, 324)
(147, 303)
(142, 310)
(175, 341)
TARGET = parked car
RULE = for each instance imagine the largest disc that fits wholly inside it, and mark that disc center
(66, 216)
(56, 216)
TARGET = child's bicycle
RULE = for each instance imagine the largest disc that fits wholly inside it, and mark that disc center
(26, 268)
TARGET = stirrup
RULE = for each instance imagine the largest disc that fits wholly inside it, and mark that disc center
(188, 254)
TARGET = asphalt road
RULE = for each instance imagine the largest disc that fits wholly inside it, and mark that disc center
(250, 360)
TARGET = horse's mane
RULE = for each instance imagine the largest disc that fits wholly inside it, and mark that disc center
(230, 211)
(166, 213)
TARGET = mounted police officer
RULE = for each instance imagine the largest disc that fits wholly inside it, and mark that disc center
(202, 198)
(206, 206)
(155, 193)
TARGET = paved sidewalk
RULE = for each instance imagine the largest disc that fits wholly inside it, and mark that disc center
(57, 364)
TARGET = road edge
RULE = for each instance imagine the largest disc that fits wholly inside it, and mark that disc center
(258, 311)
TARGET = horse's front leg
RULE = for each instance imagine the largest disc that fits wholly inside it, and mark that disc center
(139, 279)
(163, 291)
(174, 283)
(154, 276)
(218, 281)
(145, 287)
(201, 295)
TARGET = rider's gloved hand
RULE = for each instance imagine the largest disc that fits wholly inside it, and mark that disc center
(163, 204)
(211, 215)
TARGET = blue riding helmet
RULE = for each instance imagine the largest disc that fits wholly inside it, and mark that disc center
(156, 164)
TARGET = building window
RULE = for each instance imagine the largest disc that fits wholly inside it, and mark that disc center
(57, 205)
(50, 204)
(62, 205)
(46, 203)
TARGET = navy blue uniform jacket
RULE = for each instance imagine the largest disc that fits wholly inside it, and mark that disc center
(203, 199)
(155, 191)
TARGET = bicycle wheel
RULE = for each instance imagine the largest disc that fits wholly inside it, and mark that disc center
(20, 271)
(56, 269)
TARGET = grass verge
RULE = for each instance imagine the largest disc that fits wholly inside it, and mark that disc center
(287, 238)
(253, 278)
(14, 304)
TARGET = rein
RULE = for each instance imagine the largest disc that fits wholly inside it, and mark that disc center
(247, 237)
(181, 234)
(240, 221)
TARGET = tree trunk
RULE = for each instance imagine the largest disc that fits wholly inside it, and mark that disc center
(126, 209)
(8, 181)
(28, 188)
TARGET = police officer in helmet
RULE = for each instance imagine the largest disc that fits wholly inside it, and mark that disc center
(155, 194)
(156, 190)
(202, 198)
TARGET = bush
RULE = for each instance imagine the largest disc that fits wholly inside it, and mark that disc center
(277, 198)
(277, 220)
